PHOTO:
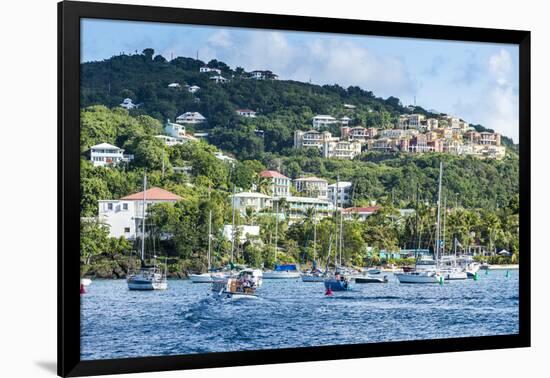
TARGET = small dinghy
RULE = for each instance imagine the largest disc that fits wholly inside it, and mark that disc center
(371, 279)
(235, 288)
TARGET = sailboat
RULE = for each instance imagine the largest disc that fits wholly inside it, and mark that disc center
(205, 277)
(448, 265)
(281, 271)
(148, 277)
(338, 281)
(316, 274)
(425, 268)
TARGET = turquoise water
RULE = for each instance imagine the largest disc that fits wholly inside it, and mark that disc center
(117, 323)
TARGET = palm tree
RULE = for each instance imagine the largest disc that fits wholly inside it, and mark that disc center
(265, 185)
(250, 216)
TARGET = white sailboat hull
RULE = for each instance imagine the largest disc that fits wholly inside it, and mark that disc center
(418, 277)
(86, 281)
(148, 285)
(201, 278)
(457, 275)
(280, 275)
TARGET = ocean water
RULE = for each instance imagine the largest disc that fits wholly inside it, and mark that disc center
(118, 323)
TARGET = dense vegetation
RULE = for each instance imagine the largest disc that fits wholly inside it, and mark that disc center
(481, 195)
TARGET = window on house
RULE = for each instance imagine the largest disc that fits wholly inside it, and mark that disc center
(124, 206)
(110, 206)
(126, 229)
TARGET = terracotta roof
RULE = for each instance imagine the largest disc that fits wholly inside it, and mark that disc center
(153, 194)
(273, 174)
(369, 209)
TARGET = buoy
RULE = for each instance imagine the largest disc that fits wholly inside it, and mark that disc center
(475, 276)
(441, 280)
(507, 273)
(486, 270)
(329, 291)
(82, 289)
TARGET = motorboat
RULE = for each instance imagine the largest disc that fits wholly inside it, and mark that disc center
(337, 282)
(371, 279)
(315, 275)
(235, 288)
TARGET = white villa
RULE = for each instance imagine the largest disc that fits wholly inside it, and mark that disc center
(123, 216)
(342, 149)
(323, 120)
(312, 138)
(190, 118)
(330, 147)
(297, 206)
(106, 154)
(226, 159)
(312, 186)
(208, 69)
(246, 113)
(176, 134)
(361, 212)
(219, 79)
(280, 184)
(256, 201)
(340, 194)
(193, 88)
(245, 232)
(128, 104)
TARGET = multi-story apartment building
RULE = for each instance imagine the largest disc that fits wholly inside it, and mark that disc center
(312, 138)
(340, 193)
(482, 138)
(341, 149)
(312, 187)
(411, 121)
(279, 183)
(256, 201)
(382, 145)
(398, 133)
(323, 120)
(358, 133)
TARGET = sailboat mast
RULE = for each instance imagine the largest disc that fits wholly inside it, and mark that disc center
(444, 219)
(233, 224)
(314, 236)
(209, 239)
(438, 231)
(416, 239)
(276, 229)
(143, 217)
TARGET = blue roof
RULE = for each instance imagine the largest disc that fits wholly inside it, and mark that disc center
(285, 267)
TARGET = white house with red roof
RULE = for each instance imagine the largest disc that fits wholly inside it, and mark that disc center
(361, 212)
(123, 215)
(279, 183)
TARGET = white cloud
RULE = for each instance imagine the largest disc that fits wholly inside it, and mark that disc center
(496, 107)
(221, 38)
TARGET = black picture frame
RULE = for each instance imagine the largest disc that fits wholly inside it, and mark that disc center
(69, 15)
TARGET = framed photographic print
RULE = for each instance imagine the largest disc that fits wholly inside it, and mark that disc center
(239, 188)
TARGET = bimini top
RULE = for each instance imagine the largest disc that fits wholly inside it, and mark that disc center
(286, 268)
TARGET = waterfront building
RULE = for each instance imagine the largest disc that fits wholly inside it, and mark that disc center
(340, 194)
(106, 154)
(123, 216)
(312, 187)
(279, 183)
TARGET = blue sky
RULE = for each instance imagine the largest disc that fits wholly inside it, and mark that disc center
(475, 81)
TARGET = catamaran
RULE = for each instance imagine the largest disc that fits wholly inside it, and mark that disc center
(148, 277)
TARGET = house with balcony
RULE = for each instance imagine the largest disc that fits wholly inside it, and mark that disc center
(321, 120)
(382, 145)
(341, 149)
(411, 121)
(358, 133)
(177, 131)
(297, 206)
(361, 213)
(312, 187)
(253, 200)
(190, 118)
(279, 183)
(124, 216)
(105, 154)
